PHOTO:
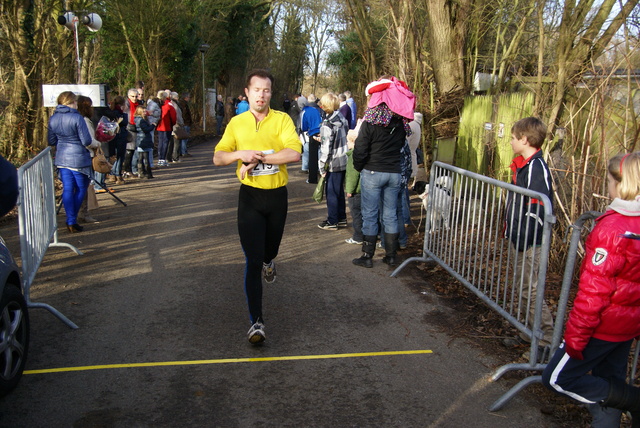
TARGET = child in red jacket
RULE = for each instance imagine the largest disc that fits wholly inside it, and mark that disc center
(591, 364)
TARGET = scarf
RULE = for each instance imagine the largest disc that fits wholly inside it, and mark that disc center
(381, 115)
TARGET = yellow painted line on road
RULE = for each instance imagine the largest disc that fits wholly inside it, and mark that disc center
(226, 361)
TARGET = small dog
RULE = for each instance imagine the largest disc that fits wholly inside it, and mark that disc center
(441, 194)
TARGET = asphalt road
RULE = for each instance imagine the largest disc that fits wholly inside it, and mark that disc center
(162, 319)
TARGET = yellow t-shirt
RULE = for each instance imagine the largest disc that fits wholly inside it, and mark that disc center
(272, 134)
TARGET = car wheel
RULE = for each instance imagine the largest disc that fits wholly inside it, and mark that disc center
(14, 337)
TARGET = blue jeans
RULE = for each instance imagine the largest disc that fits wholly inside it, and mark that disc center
(405, 205)
(183, 143)
(163, 144)
(219, 120)
(336, 204)
(375, 187)
(402, 233)
(136, 157)
(99, 178)
(117, 167)
(121, 152)
(74, 189)
(134, 161)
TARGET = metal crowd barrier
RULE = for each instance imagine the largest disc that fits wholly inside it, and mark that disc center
(572, 255)
(37, 222)
(567, 280)
(464, 234)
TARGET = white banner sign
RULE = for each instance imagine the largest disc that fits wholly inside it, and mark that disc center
(97, 93)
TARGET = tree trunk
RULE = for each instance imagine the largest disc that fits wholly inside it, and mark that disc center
(447, 36)
(125, 33)
(400, 20)
(26, 22)
(509, 52)
(360, 20)
(537, 107)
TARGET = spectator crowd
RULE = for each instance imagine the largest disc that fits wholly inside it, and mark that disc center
(328, 129)
(154, 132)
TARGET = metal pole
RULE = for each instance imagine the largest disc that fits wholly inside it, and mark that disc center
(204, 99)
(75, 33)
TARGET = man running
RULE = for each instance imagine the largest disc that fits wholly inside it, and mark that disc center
(261, 141)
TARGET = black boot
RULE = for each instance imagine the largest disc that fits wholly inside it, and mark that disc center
(391, 248)
(624, 397)
(368, 250)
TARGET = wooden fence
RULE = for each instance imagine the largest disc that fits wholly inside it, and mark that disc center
(485, 131)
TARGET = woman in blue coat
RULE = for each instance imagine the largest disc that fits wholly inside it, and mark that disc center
(68, 131)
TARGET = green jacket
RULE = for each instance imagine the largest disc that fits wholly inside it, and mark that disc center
(352, 180)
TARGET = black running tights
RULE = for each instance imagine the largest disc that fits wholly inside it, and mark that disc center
(261, 218)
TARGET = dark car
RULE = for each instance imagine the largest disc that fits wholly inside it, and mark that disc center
(14, 323)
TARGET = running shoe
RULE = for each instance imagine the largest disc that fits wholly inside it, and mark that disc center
(342, 223)
(353, 241)
(256, 333)
(269, 271)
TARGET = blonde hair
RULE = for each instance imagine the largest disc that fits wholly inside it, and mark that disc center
(625, 169)
(329, 102)
(140, 110)
(67, 98)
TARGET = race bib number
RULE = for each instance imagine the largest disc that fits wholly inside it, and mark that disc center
(265, 168)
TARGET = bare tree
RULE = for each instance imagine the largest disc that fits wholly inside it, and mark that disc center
(291, 41)
(29, 31)
(584, 33)
(321, 21)
(400, 32)
(360, 20)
